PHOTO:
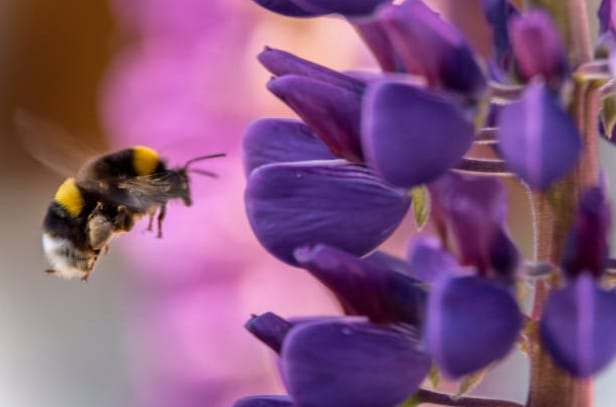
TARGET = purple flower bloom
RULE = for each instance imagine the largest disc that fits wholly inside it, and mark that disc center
(587, 244)
(312, 8)
(538, 139)
(606, 19)
(290, 205)
(410, 135)
(366, 287)
(269, 141)
(351, 362)
(428, 261)
(471, 323)
(265, 401)
(431, 47)
(537, 48)
(498, 14)
(475, 206)
(577, 326)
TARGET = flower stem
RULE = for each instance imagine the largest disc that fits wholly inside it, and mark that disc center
(428, 396)
(554, 210)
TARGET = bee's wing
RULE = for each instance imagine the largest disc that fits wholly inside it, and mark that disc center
(52, 145)
(143, 192)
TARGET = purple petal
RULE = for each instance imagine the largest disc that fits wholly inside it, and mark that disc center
(374, 35)
(606, 20)
(344, 7)
(538, 139)
(280, 140)
(498, 13)
(306, 203)
(471, 206)
(431, 47)
(265, 401)
(537, 48)
(350, 362)
(504, 256)
(281, 63)
(365, 288)
(428, 261)
(471, 323)
(578, 327)
(288, 8)
(411, 136)
(270, 329)
(587, 245)
(385, 260)
(331, 111)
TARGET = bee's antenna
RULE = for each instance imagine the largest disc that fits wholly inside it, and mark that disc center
(203, 172)
(203, 157)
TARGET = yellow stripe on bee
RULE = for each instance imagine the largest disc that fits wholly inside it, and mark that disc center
(145, 160)
(69, 197)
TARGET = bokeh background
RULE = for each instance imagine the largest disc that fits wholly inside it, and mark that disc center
(160, 321)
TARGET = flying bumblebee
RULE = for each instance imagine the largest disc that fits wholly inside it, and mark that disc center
(105, 197)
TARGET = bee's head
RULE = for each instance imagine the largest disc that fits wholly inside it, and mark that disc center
(66, 260)
(182, 173)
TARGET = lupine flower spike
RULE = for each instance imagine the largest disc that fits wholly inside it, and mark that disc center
(325, 191)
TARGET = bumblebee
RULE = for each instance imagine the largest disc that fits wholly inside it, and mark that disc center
(105, 197)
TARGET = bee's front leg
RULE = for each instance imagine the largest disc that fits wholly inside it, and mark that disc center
(162, 211)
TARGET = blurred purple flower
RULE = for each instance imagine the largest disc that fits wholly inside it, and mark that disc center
(538, 139)
(577, 326)
(537, 48)
(471, 323)
(606, 19)
(313, 8)
(431, 47)
(587, 247)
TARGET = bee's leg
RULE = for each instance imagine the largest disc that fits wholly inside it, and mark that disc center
(150, 221)
(159, 220)
(85, 277)
(50, 271)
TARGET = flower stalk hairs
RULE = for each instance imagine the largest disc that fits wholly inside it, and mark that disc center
(325, 191)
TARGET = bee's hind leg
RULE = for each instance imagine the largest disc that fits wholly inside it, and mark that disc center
(151, 221)
(162, 211)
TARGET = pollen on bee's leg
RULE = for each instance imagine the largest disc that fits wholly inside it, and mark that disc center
(159, 220)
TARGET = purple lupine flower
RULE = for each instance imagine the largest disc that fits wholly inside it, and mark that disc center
(498, 13)
(366, 287)
(538, 139)
(431, 47)
(587, 247)
(412, 136)
(606, 19)
(418, 124)
(328, 362)
(312, 8)
(537, 48)
(576, 326)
